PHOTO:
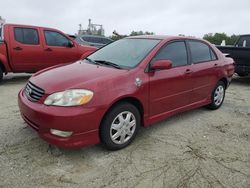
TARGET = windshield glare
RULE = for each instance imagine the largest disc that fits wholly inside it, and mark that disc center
(126, 53)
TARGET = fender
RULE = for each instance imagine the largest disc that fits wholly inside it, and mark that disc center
(4, 62)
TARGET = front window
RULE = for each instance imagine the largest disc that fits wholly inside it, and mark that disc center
(126, 53)
(176, 52)
(54, 38)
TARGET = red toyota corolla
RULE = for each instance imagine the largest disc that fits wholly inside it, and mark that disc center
(133, 82)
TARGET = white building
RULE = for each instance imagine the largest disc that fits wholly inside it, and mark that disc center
(93, 29)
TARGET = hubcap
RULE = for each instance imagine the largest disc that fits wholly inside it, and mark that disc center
(218, 95)
(123, 127)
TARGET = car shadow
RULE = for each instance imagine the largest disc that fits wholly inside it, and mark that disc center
(15, 79)
(241, 80)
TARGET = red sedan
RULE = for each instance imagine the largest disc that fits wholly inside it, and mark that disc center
(133, 82)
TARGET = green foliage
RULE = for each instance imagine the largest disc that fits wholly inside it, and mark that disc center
(217, 38)
(136, 33)
(117, 36)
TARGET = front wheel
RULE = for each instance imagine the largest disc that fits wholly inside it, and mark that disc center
(120, 126)
(217, 96)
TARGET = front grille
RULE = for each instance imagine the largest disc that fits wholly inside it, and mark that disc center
(33, 93)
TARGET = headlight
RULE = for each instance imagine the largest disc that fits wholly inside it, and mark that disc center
(73, 97)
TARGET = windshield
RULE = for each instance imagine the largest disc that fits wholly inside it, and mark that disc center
(126, 53)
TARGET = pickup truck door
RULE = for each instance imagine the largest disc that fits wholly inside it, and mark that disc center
(25, 49)
(59, 49)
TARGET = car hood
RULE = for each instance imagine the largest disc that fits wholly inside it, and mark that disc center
(75, 76)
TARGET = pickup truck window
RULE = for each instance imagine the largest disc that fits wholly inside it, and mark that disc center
(244, 41)
(201, 52)
(54, 38)
(26, 35)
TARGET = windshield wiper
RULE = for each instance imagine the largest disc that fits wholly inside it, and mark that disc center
(108, 63)
(91, 60)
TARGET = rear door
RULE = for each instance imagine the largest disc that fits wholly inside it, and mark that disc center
(26, 50)
(205, 66)
(57, 49)
(171, 89)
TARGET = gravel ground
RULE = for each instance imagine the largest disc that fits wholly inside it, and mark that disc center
(200, 148)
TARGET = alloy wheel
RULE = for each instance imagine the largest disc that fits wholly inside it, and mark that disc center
(219, 95)
(123, 127)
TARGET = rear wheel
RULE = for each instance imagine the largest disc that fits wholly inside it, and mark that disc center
(218, 96)
(120, 126)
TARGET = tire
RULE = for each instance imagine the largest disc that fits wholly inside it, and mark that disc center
(120, 126)
(218, 96)
(1, 74)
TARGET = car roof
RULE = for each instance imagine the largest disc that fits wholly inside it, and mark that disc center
(160, 37)
(24, 25)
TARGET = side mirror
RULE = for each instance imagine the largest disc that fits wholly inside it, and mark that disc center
(161, 64)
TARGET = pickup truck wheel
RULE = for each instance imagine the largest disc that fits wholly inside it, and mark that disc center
(120, 126)
(1, 74)
(217, 96)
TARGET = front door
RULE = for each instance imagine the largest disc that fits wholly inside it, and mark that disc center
(57, 49)
(171, 89)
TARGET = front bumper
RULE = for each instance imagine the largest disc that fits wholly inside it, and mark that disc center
(83, 122)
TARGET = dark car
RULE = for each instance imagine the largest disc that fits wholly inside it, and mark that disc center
(133, 82)
(93, 40)
(240, 52)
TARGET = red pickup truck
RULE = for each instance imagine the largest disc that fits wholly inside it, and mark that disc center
(30, 48)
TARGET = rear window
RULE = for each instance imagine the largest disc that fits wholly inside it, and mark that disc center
(26, 36)
(244, 41)
(201, 52)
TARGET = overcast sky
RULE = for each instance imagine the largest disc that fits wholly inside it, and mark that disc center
(171, 17)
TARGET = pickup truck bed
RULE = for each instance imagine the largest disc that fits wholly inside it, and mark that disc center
(240, 52)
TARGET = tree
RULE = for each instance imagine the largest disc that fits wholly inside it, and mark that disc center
(117, 36)
(136, 33)
(217, 38)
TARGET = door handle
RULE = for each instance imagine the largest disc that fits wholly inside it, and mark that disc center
(17, 48)
(48, 50)
(188, 71)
